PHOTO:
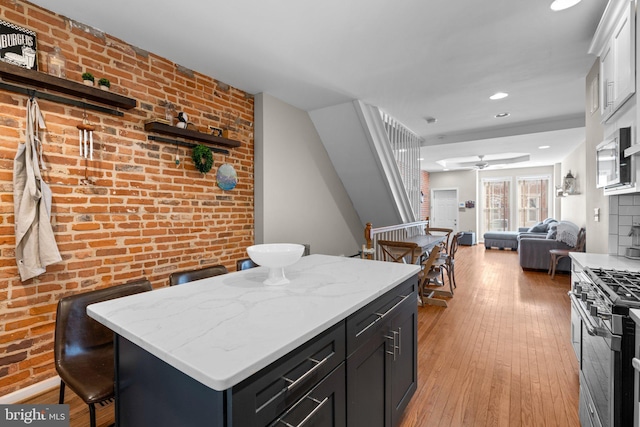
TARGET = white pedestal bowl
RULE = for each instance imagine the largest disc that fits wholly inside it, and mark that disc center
(276, 256)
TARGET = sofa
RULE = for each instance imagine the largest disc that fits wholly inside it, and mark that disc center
(533, 248)
(510, 239)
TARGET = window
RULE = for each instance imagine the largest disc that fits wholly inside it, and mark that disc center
(533, 200)
(512, 202)
(496, 204)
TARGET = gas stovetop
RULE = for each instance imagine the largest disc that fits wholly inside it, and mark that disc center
(621, 287)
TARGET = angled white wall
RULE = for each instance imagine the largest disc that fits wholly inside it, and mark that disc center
(365, 168)
(299, 198)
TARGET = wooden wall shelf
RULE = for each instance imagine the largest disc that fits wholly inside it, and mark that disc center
(166, 129)
(41, 80)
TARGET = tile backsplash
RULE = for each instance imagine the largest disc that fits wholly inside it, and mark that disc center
(624, 211)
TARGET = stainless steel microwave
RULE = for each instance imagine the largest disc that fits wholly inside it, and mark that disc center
(612, 167)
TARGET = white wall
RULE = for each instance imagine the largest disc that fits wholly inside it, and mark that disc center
(298, 195)
(574, 207)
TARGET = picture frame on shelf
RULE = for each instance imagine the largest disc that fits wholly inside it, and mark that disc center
(19, 45)
(215, 131)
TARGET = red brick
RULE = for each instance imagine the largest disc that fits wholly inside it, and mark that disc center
(142, 215)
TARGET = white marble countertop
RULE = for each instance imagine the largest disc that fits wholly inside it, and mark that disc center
(605, 261)
(223, 329)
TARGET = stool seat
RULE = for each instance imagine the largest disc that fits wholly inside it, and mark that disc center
(555, 255)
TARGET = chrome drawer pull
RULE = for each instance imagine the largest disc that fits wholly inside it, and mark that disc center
(382, 316)
(394, 346)
(302, 377)
(636, 364)
(316, 409)
(320, 404)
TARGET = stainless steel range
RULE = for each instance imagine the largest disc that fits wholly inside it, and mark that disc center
(603, 335)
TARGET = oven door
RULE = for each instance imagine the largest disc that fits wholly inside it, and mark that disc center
(599, 351)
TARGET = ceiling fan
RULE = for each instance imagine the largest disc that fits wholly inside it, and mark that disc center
(481, 163)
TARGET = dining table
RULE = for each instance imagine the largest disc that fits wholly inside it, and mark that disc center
(425, 241)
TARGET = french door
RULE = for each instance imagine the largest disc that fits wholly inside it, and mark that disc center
(505, 208)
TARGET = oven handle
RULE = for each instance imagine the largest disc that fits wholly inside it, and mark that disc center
(614, 341)
(591, 328)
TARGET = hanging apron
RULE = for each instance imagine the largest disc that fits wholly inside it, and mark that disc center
(36, 246)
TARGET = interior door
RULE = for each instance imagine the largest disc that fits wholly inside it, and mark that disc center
(444, 209)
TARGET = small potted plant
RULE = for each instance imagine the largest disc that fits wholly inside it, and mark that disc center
(88, 79)
(104, 84)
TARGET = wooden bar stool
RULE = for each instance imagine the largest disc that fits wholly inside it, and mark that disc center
(557, 254)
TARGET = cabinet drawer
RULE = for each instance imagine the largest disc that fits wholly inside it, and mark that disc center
(586, 411)
(324, 406)
(366, 322)
(265, 395)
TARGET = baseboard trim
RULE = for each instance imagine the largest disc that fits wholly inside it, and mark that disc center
(29, 391)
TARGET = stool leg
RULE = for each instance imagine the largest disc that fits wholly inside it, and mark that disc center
(551, 261)
(61, 397)
(555, 264)
(92, 414)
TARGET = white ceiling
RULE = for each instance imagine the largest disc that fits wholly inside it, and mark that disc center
(411, 58)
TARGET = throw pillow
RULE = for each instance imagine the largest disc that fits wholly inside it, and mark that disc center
(549, 220)
(553, 231)
(539, 228)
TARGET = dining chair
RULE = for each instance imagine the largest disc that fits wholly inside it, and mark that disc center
(555, 255)
(399, 251)
(181, 277)
(446, 262)
(245, 264)
(429, 274)
(437, 231)
(83, 347)
(409, 252)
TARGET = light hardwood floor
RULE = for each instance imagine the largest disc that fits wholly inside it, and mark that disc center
(499, 355)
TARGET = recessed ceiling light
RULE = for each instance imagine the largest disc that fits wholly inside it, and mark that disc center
(544, 147)
(563, 4)
(498, 95)
(420, 159)
(501, 115)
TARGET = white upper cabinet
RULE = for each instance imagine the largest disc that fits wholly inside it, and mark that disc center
(614, 43)
(607, 75)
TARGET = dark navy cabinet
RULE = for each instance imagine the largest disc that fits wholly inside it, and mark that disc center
(382, 359)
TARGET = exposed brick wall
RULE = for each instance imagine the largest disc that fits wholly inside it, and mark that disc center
(425, 188)
(142, 215)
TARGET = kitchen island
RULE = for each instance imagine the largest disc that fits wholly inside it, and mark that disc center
(230, 350)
